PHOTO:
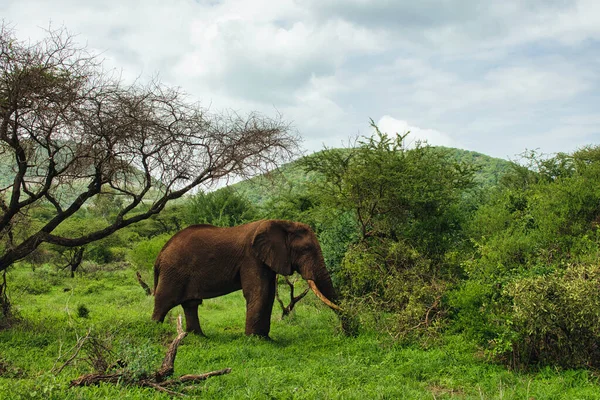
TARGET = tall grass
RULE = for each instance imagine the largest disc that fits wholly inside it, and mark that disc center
(307, 359)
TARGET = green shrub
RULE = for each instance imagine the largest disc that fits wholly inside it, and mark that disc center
(143, 254)
(104, 253)
(336, 232)
(39, 281)
(223, 207)
(556, 318)
(33, 286)
(140, 359)
(394, 288)
(531, 293)
(95, 287)
(469, 305)
(82, 311)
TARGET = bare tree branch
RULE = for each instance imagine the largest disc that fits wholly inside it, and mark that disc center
(70, 131)
(286, 310)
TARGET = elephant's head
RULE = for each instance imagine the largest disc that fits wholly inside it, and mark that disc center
(288, 247)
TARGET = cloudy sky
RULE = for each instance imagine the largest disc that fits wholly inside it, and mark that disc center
(496, 77)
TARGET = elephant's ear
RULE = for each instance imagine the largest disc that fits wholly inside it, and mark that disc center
(270, 244)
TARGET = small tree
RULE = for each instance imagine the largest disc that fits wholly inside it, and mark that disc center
(224, 207)
(395, 192)
(405, 207)
(70, 132)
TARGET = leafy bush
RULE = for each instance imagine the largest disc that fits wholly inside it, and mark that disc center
(531, 293)
(140, 359)
(395, 192)
(109, 250)
(395, 287)
(223, 207)
(95, 287)
(39, 281)
(31, 286)
(143, 254)
(336, 232)
(557, 317)
(391, 226)
(470, 310)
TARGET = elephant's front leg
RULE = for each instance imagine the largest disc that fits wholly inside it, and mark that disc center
(258, 286)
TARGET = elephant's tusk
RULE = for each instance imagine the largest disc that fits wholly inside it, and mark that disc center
(321, 296)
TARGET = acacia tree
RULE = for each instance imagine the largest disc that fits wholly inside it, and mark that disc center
(70, 131)
(392, 191)
(405, 207)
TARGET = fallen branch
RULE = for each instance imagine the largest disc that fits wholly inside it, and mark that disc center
(143, 284)
(77, 349)
(156, 380)
(168, 365)
(195, 378)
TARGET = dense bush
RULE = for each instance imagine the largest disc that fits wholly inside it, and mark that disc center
(390, 221)
(223, 207)
(395, 192)
(396, 284)
(556, 318)
(143, 254)
(531, 294)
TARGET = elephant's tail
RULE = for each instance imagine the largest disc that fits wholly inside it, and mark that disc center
(156, 272)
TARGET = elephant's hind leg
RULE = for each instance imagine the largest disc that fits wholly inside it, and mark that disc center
(192, 323)
(163, 303)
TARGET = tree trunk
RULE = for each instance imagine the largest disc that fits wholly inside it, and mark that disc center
(4, 301)
(76, 261)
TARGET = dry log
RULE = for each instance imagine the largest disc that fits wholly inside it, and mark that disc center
(168, 365)
(157, 380)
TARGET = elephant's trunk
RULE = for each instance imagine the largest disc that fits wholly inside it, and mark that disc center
(319, 281)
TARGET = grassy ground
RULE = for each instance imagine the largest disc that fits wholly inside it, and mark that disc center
(307, 359)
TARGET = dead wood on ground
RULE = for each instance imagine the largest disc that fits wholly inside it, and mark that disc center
(157, 380)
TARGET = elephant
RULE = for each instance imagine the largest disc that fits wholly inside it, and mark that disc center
(205, 261)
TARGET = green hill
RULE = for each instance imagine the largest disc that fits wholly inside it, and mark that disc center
(259, 189)
(293, 177)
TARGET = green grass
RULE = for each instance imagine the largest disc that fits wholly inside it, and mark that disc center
(308, 357)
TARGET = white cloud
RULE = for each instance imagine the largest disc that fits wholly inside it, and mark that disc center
(391, 125)
(498, 76)
(265, 61)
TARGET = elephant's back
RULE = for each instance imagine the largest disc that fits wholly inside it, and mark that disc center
(212, 235)
(205, 245)
(202, 260)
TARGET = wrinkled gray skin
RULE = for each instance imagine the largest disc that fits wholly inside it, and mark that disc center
(204, 261)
